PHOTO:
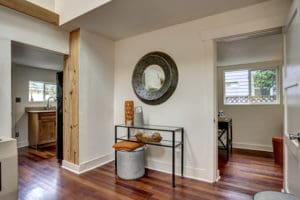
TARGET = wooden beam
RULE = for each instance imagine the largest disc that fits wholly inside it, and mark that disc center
(31, 9)
(71, 100)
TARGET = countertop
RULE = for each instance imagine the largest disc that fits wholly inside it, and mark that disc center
(39, 110)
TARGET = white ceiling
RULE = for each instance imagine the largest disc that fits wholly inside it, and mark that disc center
(48, 4)
(124, 18)
(27, 55)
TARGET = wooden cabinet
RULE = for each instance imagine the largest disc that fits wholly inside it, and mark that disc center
(41, 128)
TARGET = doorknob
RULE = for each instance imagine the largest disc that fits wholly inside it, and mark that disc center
(294, 136)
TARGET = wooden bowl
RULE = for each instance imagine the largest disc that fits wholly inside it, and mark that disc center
(155, 137)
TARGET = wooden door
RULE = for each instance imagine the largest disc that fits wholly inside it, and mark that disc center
(292, 104)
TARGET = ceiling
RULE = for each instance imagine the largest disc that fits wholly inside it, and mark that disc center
(124, 18)
(31, 56)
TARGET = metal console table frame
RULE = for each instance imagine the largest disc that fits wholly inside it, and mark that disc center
(225, 127)
(164, 143)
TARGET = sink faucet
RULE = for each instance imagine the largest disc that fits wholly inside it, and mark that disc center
(48, 102)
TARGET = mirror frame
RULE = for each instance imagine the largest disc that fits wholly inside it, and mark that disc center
(171, 78)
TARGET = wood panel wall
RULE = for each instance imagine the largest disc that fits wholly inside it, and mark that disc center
(31, 9)
(71, 100)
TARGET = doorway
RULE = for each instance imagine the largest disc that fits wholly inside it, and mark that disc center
(250, 109)
(36, 100)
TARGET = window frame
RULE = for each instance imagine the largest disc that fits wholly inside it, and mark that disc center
(44, 90)
(253, 67)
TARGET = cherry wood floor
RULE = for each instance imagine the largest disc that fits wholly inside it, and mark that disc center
(41, 178)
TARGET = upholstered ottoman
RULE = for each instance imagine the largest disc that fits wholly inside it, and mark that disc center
(269, 195)
(131, 164)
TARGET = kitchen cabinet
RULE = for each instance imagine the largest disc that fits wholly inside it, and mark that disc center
(41, 128)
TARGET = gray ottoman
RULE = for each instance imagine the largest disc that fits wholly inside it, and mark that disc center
(131, 164)
(269, 195)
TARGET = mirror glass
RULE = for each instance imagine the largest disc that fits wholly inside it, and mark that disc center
(153, 78)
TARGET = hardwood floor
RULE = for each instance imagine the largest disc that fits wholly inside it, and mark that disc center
(42, 178)
(249, 172)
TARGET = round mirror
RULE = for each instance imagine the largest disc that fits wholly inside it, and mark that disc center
(155, 78)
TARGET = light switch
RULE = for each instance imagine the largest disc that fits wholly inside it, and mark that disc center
(18, 99)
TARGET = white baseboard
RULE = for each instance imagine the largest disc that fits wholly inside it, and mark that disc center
(97, 162)
(70, 167)
(257, 147)
(285, 190)
(189, 172)
(22, 144)
(218, 176)
(88, 165)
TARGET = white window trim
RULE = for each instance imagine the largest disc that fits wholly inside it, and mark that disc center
(253, 66)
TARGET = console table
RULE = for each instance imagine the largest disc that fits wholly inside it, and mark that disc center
(172, 143)
(225, 127)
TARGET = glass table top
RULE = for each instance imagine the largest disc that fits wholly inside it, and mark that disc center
(153, 127)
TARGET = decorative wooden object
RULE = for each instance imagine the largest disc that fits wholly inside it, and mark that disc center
(129, 112)
(41, 128)
(155, 137)
(32, 9)
(71, 101)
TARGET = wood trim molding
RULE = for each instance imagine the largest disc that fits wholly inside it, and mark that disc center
(31, 9)
(71, 101)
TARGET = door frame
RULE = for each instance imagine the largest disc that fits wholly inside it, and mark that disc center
(216, 93)
(12, 128)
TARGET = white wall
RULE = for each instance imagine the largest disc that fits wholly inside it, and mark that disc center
(71, 9)
(5, 88)
(192, 105)
(253, 125)
(29, 30)
(96, 89)
(21, 75)
(24, 29)
(250, 50)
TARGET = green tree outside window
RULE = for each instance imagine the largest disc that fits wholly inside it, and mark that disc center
(265, 80)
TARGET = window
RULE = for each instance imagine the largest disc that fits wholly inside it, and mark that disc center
(251, 86)
(41, 91)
